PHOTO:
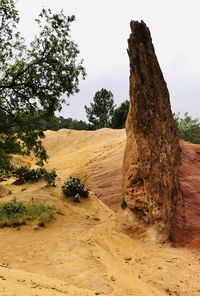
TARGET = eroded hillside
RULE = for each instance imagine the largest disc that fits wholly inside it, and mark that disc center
(97, 157)
(85, 250)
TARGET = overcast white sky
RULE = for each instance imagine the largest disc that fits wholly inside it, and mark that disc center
(101, 30)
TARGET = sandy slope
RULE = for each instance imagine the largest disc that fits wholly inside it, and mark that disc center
(82, 253)
(95, 156)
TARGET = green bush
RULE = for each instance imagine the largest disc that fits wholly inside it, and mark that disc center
(24, 174)
(188, 127)
(15, 213)
(75, 188)
(13, 208)
(50, 177)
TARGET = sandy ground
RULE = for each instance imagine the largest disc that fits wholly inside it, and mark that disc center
(83, 252)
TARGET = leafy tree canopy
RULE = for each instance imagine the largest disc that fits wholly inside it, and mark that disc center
(34, 78)
(119, 116)
(100, 112)
(188, 127)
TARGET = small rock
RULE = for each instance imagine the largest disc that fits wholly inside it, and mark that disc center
(113, 278)
(96, 219)
(127, 259)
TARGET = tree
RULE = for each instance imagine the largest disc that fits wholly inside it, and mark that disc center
(189, 128)
(120, 114)
(100, 112)
(33, 79)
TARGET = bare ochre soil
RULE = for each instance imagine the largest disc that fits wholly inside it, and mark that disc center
(86, 250)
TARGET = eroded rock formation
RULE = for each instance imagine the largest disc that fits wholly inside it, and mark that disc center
(152, 151)
(186, 224)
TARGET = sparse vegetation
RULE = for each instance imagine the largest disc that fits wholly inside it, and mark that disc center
(24, 174)
(75, 188)
(15, 213)
(188, 127)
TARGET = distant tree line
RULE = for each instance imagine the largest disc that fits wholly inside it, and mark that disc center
(102, 113)
(57, 123)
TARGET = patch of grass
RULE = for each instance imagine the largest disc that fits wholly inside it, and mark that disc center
(14, 213)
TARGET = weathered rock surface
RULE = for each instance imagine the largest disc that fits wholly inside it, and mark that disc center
(152, 151)
(186, 226)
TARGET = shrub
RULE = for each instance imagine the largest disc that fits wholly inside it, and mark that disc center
(24, 174)
(74, 188)
(188, 127)
(14, 213)
(50, 177)
(13, 208)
